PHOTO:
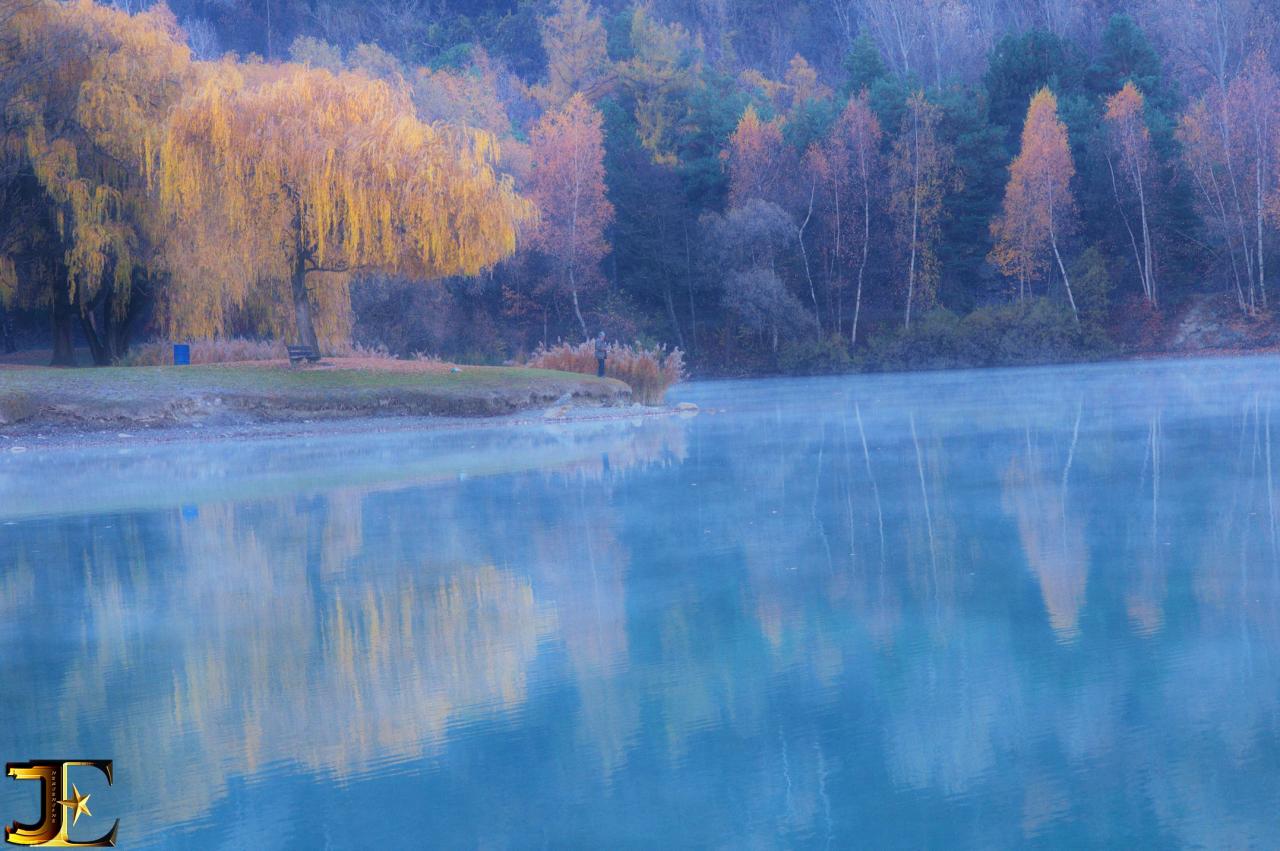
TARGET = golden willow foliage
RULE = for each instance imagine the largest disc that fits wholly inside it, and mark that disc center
(305, 176)
(87, 125)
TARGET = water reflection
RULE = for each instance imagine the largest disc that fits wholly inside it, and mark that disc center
(1036, 605)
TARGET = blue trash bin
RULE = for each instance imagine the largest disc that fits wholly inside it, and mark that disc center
(181, 354)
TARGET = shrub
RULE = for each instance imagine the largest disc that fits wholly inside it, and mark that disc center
(809, 357)
(567, 357)
(649, 372)
(16, 407)
(1034, 332)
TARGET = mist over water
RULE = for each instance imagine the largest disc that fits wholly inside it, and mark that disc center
(992, 608)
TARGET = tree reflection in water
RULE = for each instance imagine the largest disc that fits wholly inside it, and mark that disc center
(1028, 605)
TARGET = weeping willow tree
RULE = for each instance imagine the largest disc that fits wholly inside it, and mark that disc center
(85, 95)
(282, 181)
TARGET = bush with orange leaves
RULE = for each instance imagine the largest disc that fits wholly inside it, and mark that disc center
(649, 372)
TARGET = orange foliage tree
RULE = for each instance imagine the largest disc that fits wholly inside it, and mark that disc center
(567, 186)
(286, 176)
(920, 174)
(756, 159)
(1037, 200)
(1130, 145)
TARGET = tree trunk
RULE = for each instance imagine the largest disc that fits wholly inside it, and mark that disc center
(911, 267)
(804, 252)
(8, 345)
(1149, 267)
(1133, 241)
(671, 312)
(915, 217)
(577, 311)
(64, 353)
(862, 265)
(118, 330)
(688, 268)
(89, 326)
(97, 345)
(1261, 208)
(302, 307)
(1053, 239)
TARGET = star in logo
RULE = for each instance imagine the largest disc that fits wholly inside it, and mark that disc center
(77, 803)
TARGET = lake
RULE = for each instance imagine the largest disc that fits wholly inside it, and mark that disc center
(968, 609)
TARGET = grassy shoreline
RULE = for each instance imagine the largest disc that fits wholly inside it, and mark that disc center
(268, 392)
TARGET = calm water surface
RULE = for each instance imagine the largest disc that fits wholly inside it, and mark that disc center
(1030, 607)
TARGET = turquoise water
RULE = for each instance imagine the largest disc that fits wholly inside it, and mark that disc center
(1027, 607)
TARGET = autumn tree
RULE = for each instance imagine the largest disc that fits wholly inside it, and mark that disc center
(1038, 206)
(296, 178)
(577, 56)
(468, 97)
(1129, 150)
(756, 159)
(1255, 96)
(567, 185)
(85, 126)
(762, 167)
(658, 75)
(920, 173)
(1228, 147)
(849, 165)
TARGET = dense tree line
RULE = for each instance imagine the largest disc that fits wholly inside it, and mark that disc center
(767, 186)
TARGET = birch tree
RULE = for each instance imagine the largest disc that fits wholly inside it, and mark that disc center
(851, 168)
(567, 185)
(920, 173)
(1228, 147)
(1038, 205)
(1129, 148)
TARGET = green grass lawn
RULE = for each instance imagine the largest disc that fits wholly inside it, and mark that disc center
(280, 392)
(231, 378)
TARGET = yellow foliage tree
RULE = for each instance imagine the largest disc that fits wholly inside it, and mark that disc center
(577, 55)
(663, 68)
(87, 125)
(292, 176)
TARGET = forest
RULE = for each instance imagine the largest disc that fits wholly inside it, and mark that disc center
(818, 186)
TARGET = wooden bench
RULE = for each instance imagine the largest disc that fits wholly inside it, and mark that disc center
(297, 354)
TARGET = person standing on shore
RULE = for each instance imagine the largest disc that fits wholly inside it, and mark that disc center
(602, 352)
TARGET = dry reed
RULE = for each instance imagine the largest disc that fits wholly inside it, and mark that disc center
(649, 372)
